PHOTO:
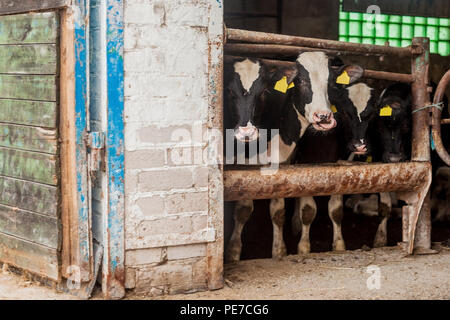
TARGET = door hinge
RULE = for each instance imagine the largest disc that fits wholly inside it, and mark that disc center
(96, 144)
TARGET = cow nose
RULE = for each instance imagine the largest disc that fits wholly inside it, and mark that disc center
(321, 117)
(395, 158)
(247, 133)
(360, 148)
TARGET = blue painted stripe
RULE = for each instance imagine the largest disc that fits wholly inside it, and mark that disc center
(115, 140)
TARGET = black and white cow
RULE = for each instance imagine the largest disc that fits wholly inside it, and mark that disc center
(291, 112)
(390, 135)
(393, 127)
(394, 123)
(392, 140)
(354, 106)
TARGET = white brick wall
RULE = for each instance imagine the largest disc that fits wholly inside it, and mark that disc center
(170, 222)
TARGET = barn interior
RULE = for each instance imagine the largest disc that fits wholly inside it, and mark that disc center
(344, 21)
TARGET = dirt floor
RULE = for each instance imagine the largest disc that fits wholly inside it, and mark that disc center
(18, 287)
(315, 276)
(336, 276)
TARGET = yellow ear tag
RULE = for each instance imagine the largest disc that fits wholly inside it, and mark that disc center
(386, 111)
(281, 85)
(343, 78)
(291, 85)
(333, 108)
(369, 159)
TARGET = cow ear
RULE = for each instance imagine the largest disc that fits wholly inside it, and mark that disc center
(290, 73)
(277, 74)
(349, 74)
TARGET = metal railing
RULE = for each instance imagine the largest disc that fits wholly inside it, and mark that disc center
(411, 180)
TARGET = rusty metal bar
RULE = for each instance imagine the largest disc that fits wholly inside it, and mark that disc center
(315, 180)
(391, 76)
(269, 62)
(420, 98)
(275, 49)
(271, 38)
(436, 122)
(371, 74)
(420, 62)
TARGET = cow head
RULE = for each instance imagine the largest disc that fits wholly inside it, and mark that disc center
(314, 72)
(357, 107)
(394, 122)
(246, 84)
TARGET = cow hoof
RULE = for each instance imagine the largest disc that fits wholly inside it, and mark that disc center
(304, 247)
(233, 259)
(339, 246)
(232, 256)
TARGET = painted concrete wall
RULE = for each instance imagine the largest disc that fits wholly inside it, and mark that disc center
(173, 197)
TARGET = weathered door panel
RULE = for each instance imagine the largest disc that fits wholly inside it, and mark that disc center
(77, 245)
(30, 235)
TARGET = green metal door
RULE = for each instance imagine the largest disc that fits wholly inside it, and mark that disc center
(30, 228)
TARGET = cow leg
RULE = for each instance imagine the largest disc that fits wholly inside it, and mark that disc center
(306, 209)
(336, 213)
(385, 208)
(242, 213)
(277, 214)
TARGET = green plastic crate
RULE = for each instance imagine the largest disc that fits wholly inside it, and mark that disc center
(432, 21)
(354, 29)
(444, 48)
(406, 43)
(443, 22)
(420, 20)
(380, 41)
(444, 33)
(407, 31)
(383, 18)
(434, 47)
(355, 16)
(433, 33)
(382, 30)
(368, 40)
(420, 31)
(368, 30)
(408, 20)
(354, 39)
(343, 28)
(395, 42)
(395, 30)
(395, 19)
(343, 15)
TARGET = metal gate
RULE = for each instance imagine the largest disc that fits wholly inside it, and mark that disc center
(437, 121)
(411, 180)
